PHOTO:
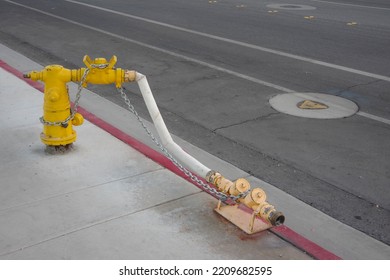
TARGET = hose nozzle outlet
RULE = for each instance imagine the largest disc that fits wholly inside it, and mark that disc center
(256, 200)
(277, 218)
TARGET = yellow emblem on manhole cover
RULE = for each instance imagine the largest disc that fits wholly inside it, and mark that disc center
(312, 105)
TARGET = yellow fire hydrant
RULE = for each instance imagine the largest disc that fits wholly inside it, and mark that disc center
(58, 117)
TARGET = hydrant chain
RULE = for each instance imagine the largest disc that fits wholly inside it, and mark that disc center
(73, 110)
(99, 66)
(220, 195)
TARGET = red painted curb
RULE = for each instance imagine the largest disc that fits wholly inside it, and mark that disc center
(19, 74)
(282, 231)
(304, 244)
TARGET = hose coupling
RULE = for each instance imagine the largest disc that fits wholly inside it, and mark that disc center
(224, 185)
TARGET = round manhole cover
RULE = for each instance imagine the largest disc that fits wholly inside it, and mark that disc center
(290, 7)
(313, 105)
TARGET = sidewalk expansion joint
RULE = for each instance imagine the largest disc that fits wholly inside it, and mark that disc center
(78, 190)
(98, 223)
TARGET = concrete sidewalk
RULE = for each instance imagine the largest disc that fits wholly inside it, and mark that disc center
(105, 200)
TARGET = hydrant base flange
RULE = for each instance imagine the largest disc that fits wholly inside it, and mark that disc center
(61, 141)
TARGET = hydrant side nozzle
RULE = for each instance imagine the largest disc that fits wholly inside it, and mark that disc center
(78, 119)
(34, 75)
(124, 76)
(119, 76)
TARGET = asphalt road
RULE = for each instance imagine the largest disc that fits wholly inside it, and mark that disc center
(214, 65)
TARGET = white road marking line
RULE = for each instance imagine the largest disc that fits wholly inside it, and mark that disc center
(353, 5)
(373, 117)
(209, 65)
(212, 66)
(239, 43)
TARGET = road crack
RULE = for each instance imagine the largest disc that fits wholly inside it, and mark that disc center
(339, 92)
(245, 121)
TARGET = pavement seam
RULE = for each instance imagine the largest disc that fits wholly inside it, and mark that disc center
(90, 225)
(78, 190)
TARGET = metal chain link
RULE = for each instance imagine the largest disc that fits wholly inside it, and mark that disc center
(220, 195)
(73, 110)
